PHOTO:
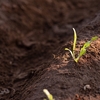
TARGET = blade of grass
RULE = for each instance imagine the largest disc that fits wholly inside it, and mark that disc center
(70, 52)
(74, 43)
(50, 97)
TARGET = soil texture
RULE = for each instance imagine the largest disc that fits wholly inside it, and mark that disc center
(33, 36)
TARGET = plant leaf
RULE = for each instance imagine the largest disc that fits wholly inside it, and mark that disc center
(86, 45)
(70, 52)
(75, 39)
(94, 38)
(67, 49)
(50, 97)
(82, 52)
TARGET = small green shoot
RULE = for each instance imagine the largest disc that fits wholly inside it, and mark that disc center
(83, 49)
(49, 96)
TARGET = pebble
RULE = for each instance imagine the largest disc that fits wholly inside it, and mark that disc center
(87, 87)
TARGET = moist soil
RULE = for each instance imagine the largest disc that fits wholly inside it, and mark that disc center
(33, 35)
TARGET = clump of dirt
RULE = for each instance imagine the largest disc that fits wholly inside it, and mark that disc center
(33, 35)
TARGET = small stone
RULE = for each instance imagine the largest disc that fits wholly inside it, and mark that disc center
(87, 87)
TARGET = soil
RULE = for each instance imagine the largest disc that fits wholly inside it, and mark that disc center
(33, 35)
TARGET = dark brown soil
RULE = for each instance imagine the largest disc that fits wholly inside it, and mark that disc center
(33, 35)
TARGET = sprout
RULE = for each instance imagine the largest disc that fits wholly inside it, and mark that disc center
(50, 97)
(82, 50)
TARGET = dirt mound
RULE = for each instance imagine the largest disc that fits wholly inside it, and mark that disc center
(33, 35)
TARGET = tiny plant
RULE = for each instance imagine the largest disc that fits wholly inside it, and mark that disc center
(49, 96)
(82, 50)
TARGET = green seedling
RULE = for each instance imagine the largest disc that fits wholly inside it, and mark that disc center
(82, 50)
(49, 96)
